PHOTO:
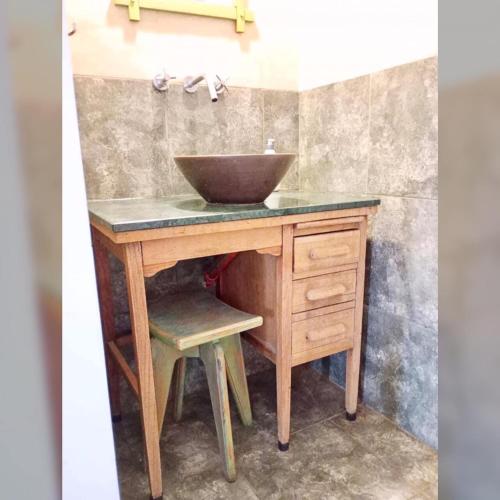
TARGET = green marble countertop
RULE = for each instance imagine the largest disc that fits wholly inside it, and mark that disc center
(134, 214)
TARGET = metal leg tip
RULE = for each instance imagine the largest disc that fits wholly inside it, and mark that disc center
(283, 446)
(350, 416)
(116, 418)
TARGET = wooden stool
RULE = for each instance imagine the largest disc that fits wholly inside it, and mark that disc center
(197, 324)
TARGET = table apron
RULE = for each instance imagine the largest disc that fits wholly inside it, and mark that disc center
(167, 251)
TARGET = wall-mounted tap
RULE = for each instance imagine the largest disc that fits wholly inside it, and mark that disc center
(214, 83)
(160, 81)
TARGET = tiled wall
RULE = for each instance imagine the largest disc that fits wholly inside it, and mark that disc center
(130, 132)
(378, 135)
(373, 135)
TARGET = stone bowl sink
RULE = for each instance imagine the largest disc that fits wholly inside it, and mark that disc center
(235, 179)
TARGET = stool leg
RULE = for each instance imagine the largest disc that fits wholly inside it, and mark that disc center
(212, 356)
(235, 366)
(180, 376)
(164, 358)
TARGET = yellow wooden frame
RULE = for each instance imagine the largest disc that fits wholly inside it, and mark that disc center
(238, 12)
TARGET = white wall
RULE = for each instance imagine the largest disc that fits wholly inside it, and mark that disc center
(343, 39)
(106, 43)
(89, 468)
(293, 45)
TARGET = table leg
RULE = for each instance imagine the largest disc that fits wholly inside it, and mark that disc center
(103, 275)
(142, 348)
(284, 338)
(352, 382)
(354, 354)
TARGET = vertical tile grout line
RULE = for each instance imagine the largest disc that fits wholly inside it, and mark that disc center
(167, 139)
(298, 142)
(262, 118)
(369, 131)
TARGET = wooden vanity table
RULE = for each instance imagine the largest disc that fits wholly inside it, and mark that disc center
(302, 268)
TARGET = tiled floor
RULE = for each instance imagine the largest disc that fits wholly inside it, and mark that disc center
(329, 457)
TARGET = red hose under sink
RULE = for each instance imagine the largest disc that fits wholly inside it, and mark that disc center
(211, 277)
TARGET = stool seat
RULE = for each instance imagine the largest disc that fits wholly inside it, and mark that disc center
(190, 319)
(197, 324)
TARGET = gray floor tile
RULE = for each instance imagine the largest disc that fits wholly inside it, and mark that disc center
(329, 458)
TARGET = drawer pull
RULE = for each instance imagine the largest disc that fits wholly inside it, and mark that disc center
(327, 253)
(326, 333)
(325, 293)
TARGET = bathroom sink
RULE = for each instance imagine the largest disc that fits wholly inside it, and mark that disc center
(235, 179)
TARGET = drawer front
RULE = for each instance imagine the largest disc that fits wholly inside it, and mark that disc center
(324, 290)
(324, 251)
(324, 330)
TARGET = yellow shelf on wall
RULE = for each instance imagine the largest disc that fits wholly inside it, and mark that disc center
(237, 12)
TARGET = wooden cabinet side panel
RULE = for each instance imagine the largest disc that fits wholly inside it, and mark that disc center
(249, 284)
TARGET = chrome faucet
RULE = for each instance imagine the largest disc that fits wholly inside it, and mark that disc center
(160, 81)
(214, 83)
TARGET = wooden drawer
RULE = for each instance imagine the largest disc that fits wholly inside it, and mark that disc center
(324, 251)
(324, 290)
(325, 330)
